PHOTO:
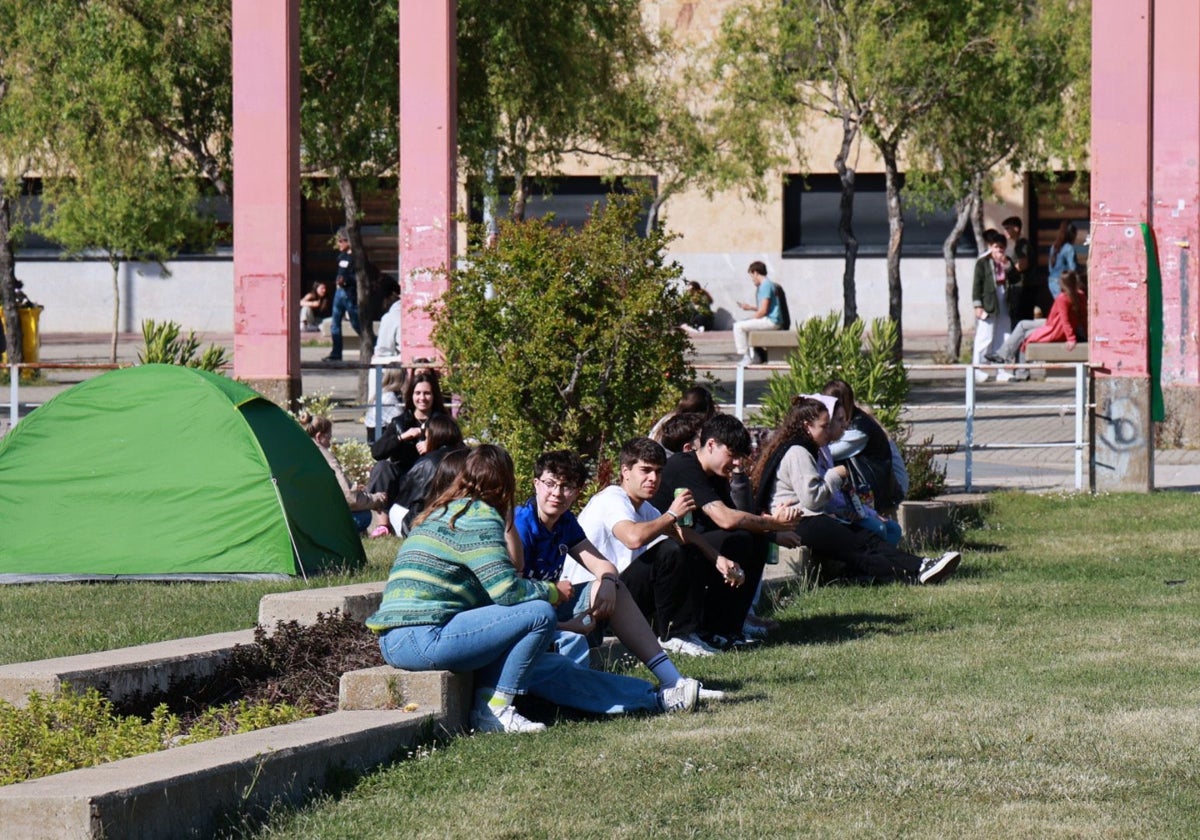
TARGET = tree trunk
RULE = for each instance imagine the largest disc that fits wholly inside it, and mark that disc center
(115, 261)
(846, 222)
(977, 214)
(365, 272)
(895, 212)
(965, 208)
(8, 284)
(520, 197)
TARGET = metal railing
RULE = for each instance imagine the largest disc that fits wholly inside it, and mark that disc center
(1083, 408)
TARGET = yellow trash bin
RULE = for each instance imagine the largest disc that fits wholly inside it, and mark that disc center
(31, 341)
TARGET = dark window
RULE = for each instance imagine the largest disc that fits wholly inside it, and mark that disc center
(812, 207)
(569, 199)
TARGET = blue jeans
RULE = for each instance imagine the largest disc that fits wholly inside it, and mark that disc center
(564, 682)
(362, 519)
(501, 644)
(343, 304)
(886, 529)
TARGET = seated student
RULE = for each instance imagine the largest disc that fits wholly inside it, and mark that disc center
(390, 395)
(453, 601)
(664, 565)
(550, 532)
(315, 306)
(403, 440)
(679, 432)
(739, 538)
(360, 502)
(1067, 321)
(875, 457)
(788, 473)
(442, 435)
(695, 400)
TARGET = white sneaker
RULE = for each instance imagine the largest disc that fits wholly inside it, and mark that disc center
(935, 571)
(711, 694)
(504, 719)
(1003, 375)
(681, 697)
(980, 377)
(690, 645)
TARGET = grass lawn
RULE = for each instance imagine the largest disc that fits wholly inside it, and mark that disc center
(1051, 689)
(43, 620)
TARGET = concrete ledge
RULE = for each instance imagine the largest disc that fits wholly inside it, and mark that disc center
(385, 687)
(123, 672)
(357, 600)
(775, 343)
(930, 520)
(1055, 351)
(188, 791)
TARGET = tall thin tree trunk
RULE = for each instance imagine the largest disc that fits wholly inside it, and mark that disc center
(964, 208)
(115, 261)
(8, 283)
(895, 213)
(520, 197)
(365, 272)
(846, 222)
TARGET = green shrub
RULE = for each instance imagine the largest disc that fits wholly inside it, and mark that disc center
(558, 338)
(72, 730)
(162, 344)
(825, 350)
(926, 478)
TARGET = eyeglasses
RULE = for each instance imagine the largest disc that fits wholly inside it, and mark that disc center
(557, 487)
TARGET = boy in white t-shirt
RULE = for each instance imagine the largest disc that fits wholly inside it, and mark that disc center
(661, 563)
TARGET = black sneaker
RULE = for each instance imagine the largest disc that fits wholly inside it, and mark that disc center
(995, 358)
(332, 359)
(935, 571)
(734, 641)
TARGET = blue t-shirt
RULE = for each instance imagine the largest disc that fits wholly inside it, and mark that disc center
(545, 551)
(768, 291)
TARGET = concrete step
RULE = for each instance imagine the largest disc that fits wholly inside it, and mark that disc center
(357, 600)
(188, 791)
(123, 672)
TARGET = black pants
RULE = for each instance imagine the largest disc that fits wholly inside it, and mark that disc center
(725, 607)
(864, 554)
(666, 581)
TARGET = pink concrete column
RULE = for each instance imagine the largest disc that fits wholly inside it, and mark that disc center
(1175, 187)
(428, 149)
(266, 207)
(1122, 53)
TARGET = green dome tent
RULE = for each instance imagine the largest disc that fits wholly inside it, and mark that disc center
(167, 472)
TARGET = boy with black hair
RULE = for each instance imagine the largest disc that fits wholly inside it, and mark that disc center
(665, 576)
(744, 537)
(549, 534)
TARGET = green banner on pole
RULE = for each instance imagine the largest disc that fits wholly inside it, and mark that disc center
(1155, 304)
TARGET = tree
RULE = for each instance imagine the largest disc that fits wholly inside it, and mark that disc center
(1005, 108)
(578, 343)
(539, 80)
(124, 205)
(349, 125)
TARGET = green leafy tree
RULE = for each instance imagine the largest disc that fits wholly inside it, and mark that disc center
(1018, 100)
(560, 338)
(349, 125)
(124, 206)
(539, 79)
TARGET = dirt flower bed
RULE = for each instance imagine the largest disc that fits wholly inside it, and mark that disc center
(282, 677)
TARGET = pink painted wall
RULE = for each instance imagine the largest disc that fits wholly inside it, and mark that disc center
(428, 149)
(1175, 180)
(266, 207)
(1120, 161)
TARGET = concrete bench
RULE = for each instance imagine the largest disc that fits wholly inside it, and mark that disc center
(777, 344)
(1055, 351)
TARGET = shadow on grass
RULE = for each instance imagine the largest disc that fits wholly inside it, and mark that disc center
(839, 627)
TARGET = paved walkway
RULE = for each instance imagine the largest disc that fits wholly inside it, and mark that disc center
(1030, 412)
